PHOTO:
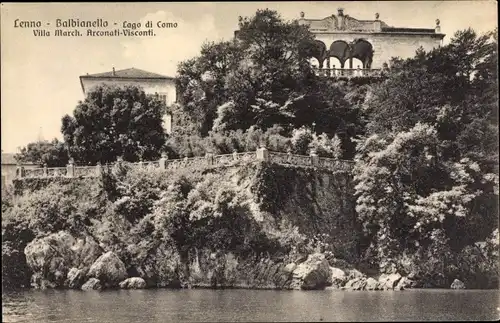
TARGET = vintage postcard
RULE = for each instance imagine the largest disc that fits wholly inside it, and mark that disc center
(250, 161)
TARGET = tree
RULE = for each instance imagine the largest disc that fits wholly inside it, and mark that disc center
(409, 196)
(53, 153)
(202, 81)
(426, 173)
(113, 122)
(453, 87)
(259, 79)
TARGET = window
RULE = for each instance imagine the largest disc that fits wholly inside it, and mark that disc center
(163, 98)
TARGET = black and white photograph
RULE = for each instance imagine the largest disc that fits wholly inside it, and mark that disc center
(286, 161)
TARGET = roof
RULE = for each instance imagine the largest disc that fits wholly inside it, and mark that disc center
(129, 73)
(408, 30)
(8, 159)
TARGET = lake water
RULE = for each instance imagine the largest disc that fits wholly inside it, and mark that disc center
(163, 305)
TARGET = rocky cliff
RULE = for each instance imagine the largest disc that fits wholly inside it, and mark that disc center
(258, 225)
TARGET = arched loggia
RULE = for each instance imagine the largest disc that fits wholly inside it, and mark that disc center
(315, 49)
(340, 50)
(363, 50)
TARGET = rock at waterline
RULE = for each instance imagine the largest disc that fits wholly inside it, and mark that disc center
(457, 284)
(313, 273)
(390, 281)
(356, 284)
(405, 283)
(51, 257)
(337, 277)
(371, 284)
(75, 278)
(92, 284)
(133, 283)
(109, 269)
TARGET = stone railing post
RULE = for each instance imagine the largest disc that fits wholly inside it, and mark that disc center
(210, 158)
(163, 161)
(314, 158)
(20, 171)
(98, 169)
(45, 172)
(235, 155)
(262, 154)
(289, 154)
(70, 169)
(119, 162)
(140, 163)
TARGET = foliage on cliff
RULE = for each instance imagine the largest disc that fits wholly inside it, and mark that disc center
(426, 174)
(157, 222)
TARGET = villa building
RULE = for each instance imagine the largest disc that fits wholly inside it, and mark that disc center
(346, 46)
(152, 83)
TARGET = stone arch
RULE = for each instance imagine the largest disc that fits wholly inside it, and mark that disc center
(362, 50)
(339, 49)
(334, 62)
(314, 62)
(356, 62)
(316, 49)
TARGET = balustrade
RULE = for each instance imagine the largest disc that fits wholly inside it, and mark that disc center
(348, 72)
(86, 171)
(209, 160)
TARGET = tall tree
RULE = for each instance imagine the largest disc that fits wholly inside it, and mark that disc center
(261, 78)
(113, 122)
(52, 153)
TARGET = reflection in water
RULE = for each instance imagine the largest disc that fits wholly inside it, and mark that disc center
(162, 305)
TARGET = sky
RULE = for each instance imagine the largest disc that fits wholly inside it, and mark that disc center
(40, 75)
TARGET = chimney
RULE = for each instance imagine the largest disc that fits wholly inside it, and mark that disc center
(114, 71)
(438, 28)
(377, 26)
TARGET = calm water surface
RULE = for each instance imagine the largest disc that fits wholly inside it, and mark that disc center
(163, 305)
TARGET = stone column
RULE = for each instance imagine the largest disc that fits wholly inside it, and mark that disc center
(289, 154)
(314, 158)
(163, 161)
(119, 162)
(235, 155)
(262, 154)
(45, 172)
(70, 169)
(210, 158)
(98, 169)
